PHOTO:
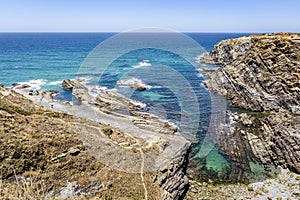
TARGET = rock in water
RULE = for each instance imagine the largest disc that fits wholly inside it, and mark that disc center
(134, 83)
(21, 86)
(71, 84)
(262, 73)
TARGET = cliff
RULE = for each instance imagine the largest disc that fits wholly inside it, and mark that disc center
(261, 74)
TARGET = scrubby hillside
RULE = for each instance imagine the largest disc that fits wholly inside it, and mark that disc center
(42, 155)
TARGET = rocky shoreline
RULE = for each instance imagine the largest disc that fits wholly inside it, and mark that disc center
(104, 144)
(126, 142)
(258, 74)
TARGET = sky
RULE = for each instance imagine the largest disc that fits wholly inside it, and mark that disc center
(124, 15)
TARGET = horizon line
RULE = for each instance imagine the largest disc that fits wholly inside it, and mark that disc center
(251, 32)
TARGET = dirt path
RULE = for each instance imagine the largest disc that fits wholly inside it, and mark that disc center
(110, 154)
(130, 148)
(142, 174)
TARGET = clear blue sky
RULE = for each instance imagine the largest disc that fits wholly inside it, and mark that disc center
(123, 15)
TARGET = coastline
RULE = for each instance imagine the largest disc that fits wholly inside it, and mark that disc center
(144, 139)
(261, 79)
(267, 122)
(160, 150)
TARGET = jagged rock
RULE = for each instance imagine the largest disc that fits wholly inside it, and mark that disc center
(71, 84)
(154, 123)
(295, 110)
(21, 86)
(82, 95)
(245, 119)
(134, 83)
(15, 84)
(228, 50)
(261, 73)
(47, 94)
(112, 101)
(172, 178)
(263, 76)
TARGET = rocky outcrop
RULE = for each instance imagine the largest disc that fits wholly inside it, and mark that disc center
(152, 122)
(228, 50)
(274, 138)
(264, 76)
(20, 86)
(172, 178)
(112, 102)
(116, 104)
(261, 73)
(134, 83)
(287, 181)
(71, 84)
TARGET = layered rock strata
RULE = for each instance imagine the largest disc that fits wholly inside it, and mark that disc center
(261, 74)
(116, 104)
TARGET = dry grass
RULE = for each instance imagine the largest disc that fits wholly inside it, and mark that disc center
(32, 141)
(23, 188)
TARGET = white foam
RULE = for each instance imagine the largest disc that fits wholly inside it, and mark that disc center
(84, 79)
(200, 75)
(54, 83)
(137, 103)
(133, 82)
(144, 63)
(197, 59)
(199, 69)
(95, 90)
(35, 84)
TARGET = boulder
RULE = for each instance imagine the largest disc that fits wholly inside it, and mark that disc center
(71, 84)
(134, 83)
(21, 86)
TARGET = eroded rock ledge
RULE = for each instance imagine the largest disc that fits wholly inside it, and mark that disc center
(261, 74)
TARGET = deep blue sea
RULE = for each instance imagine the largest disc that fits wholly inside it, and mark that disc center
(45, 59)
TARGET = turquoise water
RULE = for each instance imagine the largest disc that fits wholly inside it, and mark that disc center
(57, 56)
(214, 160)
(45, 59)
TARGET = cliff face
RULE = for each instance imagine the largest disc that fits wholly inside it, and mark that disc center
(262, 73)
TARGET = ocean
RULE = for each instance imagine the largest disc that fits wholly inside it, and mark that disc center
(176, 89)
